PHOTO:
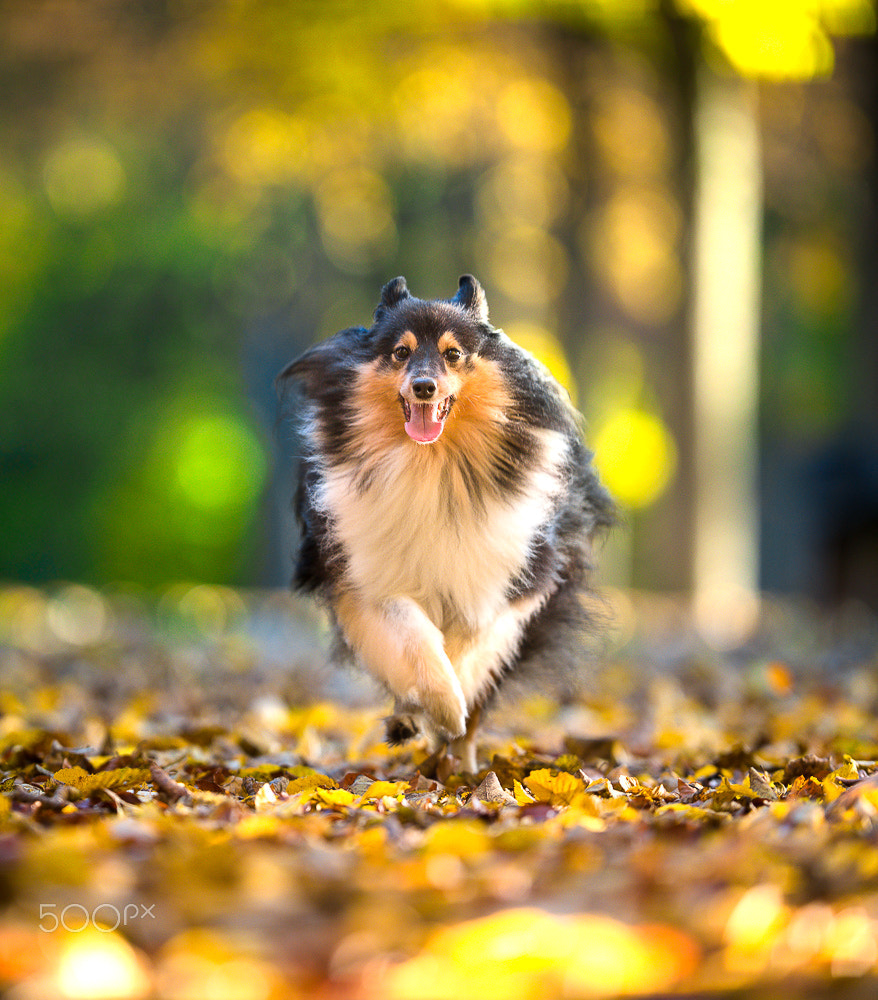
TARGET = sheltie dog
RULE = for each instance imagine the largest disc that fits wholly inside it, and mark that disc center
(447, 508)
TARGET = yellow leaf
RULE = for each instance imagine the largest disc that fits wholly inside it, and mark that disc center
(461, 838)
(583, 812)
(619, 808)
(378, 789)
(120, 777)
(530, 954)
(522, 795)
(74, 776)
(333, 796)
(556, 789)
(831, 789)
(847, 772)
(309, 781)
(257, 827)
(760, 785)
(679, 812)
(728, 791)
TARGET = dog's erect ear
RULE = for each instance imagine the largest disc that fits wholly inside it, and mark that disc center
(471, 297)
(392, 294)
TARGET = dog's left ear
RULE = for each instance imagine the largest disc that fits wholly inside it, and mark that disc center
(471, 297)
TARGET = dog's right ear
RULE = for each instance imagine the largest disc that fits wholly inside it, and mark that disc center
(301, 368)
(391, 295)
(321, 361)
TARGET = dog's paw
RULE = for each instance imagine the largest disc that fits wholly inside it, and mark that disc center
(400, 729)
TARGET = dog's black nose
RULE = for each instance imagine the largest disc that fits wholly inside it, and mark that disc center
(424, 388)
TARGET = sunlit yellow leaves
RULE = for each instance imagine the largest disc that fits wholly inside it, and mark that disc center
(530, 954)
(380, 789)
(332, 797)
(461, 839)
(754, 786)
(196, 963)
(712, 833)
(753, 926)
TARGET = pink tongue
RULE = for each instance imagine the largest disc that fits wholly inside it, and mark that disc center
(425, 425)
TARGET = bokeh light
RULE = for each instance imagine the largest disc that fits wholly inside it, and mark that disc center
(190, 489)
(632, 243)
(218, 462)
(100, 965)
(534, 115)
(786, 40)
(83, 176)
(533, 955)
(196, 964)
(356, 214)
(527, 263)
(636, 455)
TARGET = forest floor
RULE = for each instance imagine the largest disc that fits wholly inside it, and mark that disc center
(192, 807)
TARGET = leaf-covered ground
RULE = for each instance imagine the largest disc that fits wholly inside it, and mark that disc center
(193, 808)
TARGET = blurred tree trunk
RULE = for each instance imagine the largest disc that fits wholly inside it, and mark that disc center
(725, 355)
(701, 536)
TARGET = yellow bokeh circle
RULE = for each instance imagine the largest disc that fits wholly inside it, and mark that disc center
(636, 455)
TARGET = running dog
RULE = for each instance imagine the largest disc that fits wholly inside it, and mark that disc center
(447, 507)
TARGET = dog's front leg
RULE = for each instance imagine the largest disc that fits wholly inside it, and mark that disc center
(402, 648)
(465, 746)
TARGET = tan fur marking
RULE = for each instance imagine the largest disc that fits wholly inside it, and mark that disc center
(409, 340)
(447, 341)
(480, 401)
(378, 420)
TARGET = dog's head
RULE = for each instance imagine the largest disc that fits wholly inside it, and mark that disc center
(426, 351)
(424, 366)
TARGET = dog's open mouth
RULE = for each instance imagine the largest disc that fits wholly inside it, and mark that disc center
(424, 422)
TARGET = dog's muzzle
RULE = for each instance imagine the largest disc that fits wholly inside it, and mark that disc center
(424, 422)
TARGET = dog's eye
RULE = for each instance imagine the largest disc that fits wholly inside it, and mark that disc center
(452, 355)
(401, 353)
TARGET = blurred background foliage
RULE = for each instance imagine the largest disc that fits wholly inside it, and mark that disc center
(192, 192)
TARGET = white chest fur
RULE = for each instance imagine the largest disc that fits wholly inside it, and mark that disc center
(416, 531)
